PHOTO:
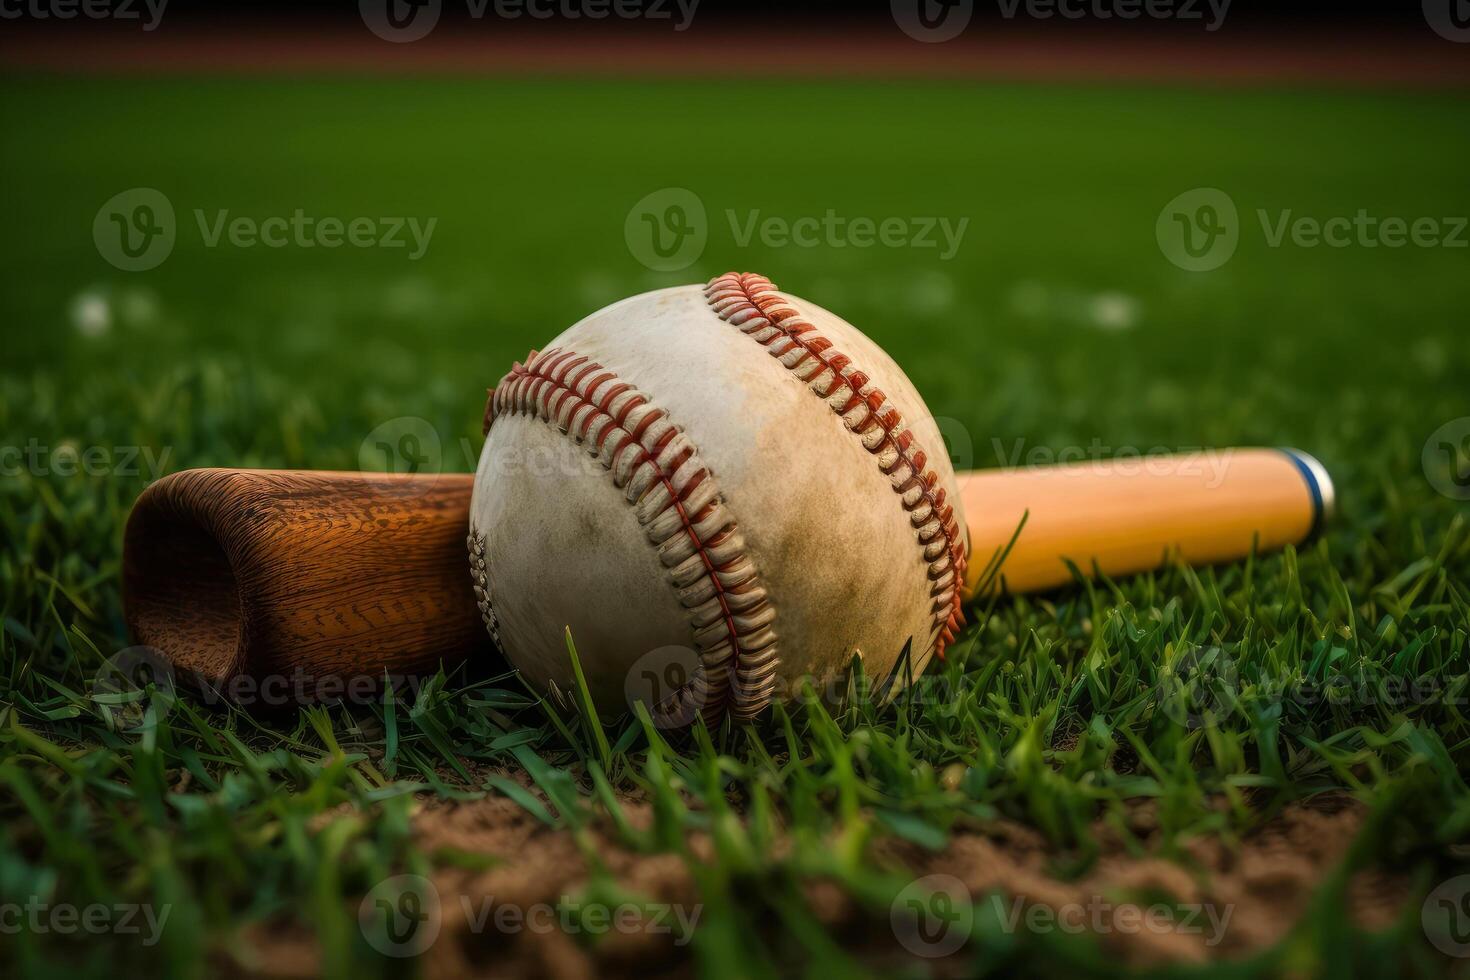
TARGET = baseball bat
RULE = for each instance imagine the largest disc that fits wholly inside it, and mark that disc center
(339, 574)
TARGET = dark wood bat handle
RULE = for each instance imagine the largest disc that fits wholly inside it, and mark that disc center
(322, 574)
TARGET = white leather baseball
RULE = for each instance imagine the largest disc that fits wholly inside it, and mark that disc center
(726, 468)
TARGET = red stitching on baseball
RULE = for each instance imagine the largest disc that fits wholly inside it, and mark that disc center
(562, 389)
(750, 302)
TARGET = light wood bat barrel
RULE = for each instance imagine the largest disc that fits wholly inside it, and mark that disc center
(1130, 515)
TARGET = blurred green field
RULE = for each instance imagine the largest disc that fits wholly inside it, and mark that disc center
(1059, 322)
(531, 182)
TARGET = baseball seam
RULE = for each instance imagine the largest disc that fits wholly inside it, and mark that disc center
(683, 514)
(478, 573)
(752, 303)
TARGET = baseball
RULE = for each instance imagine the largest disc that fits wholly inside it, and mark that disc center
(725, 469)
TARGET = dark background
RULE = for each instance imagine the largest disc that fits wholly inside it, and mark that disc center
(1309, 17)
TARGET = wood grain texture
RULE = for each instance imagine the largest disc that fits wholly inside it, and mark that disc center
(326, 574)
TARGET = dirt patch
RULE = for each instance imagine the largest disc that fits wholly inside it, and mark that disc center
(1220, 900)
(543, 872)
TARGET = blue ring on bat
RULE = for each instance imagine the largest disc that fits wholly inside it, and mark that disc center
(1319, 485)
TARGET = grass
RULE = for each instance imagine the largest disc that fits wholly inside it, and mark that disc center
(1052, 711)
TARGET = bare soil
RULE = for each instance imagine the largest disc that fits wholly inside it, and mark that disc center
(1256, 890)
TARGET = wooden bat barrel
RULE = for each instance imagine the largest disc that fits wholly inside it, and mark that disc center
(319, 576)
